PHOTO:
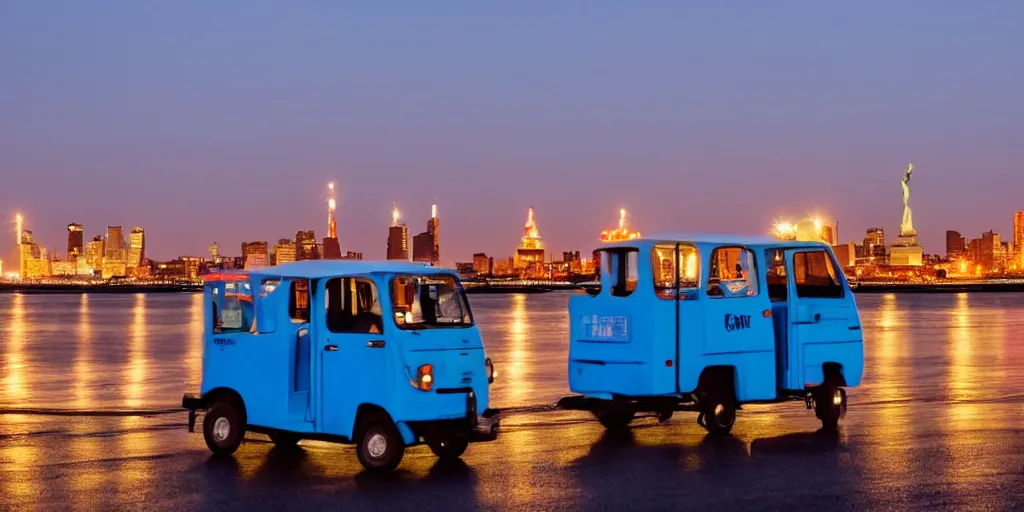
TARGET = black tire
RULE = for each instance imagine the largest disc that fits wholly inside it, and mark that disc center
(379, 445)
(719, 414)
(449, 448)
(223, 428)
(614, 420)
(282, 439)
(826, 408)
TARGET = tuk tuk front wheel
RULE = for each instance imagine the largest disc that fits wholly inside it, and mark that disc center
(222, 429)
(379, 445)
(447, 448)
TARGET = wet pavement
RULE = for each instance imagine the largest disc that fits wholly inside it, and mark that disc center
(938, 423)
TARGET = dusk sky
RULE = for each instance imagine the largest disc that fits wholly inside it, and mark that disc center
(224, 121)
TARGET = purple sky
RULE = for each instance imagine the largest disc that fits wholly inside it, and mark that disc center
(224, 121)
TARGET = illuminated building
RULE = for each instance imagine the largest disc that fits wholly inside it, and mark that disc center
(254, 254)
(530, 254)
(956, 245)
(425, 246)
(76, 241)
(433, 226)
(306, 247)
(284, 251)
(349, 255)
(63, 268)
(621, 233)
(1018, 238)
(94, 252)
(136, 247)
(398, 238)
(215, 252)
(115, 255)
(33, 264)
(331, 245)
(482, 264)
(827, 234)
(874, 245)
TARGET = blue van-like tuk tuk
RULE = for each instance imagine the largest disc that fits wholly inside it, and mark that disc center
(384, 355)
(707, 323)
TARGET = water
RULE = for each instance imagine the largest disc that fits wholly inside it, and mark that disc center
(935, 421)
(105, 352)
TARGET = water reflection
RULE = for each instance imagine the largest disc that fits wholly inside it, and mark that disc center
(81, 370)
(519, 346)
(135, 373)
(14, 352)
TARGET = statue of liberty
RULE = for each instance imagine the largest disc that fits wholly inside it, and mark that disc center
(907, 226)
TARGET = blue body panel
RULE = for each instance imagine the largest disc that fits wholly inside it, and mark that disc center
(649, 341)
(300, 376)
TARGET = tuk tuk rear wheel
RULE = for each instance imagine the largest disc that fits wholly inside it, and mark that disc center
(379, 445)
(829, 405)
(614, 420)
(282, 439)
(449, 447)
(719, 415)
(222, 429)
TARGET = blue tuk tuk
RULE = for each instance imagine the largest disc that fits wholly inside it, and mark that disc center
(384, 355)
(708, 323)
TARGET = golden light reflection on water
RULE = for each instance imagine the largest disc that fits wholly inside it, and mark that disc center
(194, 358)
(515, 376)
(14, 367)
(887, 352)
(21, 478)
(135, 370)
(81, 369)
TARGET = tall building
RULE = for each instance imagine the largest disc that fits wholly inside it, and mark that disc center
(531, 248)
(422, 247)
(255, 254)
(432, 229)
(76, 241)
(284, 251)
(1018, 238)
(115, 255)
(136, 247)
(956, 245)
(215, 252)
(306, 246)
(331, 245)
(482, 264)
(398, 238)
(94, 251)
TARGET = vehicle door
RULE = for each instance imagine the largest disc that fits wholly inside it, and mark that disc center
(352, 367)
(737, 315)
(820, 313)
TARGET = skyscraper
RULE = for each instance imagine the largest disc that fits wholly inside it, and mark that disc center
(332, 247)
(398, 238)
(306, 246)
(956, 246)
(1018, 237)
(76, 241)
(254, 254)
(284, 251)
(136, 247)
(432, 230)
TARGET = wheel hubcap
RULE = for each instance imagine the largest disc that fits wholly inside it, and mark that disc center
(722, 416)
(221, 430)
(377, 445)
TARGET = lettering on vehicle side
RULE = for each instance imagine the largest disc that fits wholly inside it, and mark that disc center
(467, 377)
(736, 322)
(223, 342)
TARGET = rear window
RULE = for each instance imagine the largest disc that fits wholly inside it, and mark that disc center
(622, 266)
(422, 302)
(664, 260)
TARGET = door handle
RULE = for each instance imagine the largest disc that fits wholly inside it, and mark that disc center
(331, 348)
(375, 344)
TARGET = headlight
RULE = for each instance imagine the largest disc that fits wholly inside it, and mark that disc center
(424, 380)
(491, 372)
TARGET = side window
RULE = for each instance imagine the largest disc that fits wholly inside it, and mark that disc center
(732, 273)
(298, 301)
(236, 314)
(815, 276)
(778, 285)
(623, 269)
(352, 306)
(663, 264)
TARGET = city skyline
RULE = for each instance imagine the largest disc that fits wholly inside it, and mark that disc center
(696, 118)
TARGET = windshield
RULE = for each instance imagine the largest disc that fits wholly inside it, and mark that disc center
(422, 302)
